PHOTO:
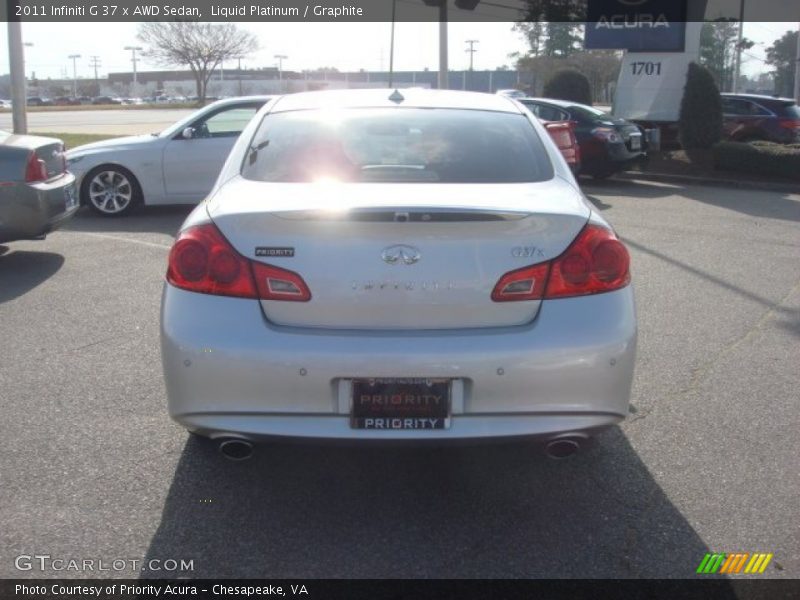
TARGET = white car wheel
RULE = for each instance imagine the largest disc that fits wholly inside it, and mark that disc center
(110, 191)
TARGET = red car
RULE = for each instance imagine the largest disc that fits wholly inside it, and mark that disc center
(563, 134)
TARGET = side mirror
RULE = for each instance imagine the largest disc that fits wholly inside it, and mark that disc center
(188, 133)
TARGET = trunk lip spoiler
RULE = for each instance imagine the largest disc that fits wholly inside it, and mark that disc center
(402, 214)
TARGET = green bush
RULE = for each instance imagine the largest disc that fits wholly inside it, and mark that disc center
(700, 120)
(569, 84)
(761, 158)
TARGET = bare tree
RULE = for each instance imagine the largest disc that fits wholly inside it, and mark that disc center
(201, 46)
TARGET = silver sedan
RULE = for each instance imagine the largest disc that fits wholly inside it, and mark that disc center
(37, 194)
(177, 166)
(397, 265)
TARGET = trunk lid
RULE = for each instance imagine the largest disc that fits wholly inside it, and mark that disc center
(49, 150)
(399, 256)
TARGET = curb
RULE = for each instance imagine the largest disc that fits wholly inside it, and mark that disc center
(773, 186)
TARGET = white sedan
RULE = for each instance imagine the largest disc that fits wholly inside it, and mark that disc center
(177, 166)
(397, 265)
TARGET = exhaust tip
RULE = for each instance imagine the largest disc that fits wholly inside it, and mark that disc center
(564, 447)
(235, 449)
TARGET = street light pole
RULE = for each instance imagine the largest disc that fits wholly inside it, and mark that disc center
(74, 58)
(16, 55)
(133, 50)
(239, 69)
(280, 58)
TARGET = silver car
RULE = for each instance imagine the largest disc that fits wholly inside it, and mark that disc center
(37, 193)
(397, 265)
(177, 166)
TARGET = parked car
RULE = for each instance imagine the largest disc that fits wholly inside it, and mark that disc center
(608, 144)
(396, 265)
(37, 194)
(563, 134)
(750, 117)
(39, 101)
(6, 104)
(66, 101)
(177, 166)
(106, 100)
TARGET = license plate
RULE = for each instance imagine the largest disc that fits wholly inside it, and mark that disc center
(393, 403)
(636, 142)
(70, 198)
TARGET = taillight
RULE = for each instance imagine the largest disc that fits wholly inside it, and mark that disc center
(35, 169)
(202, 260)
(789, 123)
(523, 284)
(606, 134)
(595, 262)
(280, 284)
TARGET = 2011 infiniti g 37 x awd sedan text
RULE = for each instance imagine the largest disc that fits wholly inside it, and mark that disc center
(397, 265)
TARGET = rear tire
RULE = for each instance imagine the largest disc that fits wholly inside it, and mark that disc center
(110, 190)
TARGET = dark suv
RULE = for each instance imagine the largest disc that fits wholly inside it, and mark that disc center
(749, 117)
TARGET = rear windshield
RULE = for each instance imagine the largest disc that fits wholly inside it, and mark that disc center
(590, 113)
(403, 145)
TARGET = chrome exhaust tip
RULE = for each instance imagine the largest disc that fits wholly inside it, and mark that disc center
(564, 447)
(236, 449)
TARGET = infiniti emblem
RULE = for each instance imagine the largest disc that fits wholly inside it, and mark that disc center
(400, 254)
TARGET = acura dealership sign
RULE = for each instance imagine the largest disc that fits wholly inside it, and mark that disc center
(636, 25)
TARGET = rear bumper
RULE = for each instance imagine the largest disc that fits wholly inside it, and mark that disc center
(229, 372)
(29, 211)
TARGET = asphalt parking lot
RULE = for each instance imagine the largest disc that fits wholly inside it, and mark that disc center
(93, 468)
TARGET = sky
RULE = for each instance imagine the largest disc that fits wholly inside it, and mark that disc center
(346, 46)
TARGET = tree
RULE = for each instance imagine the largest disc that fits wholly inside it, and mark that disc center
(718, 47)
(563, 39)
(781, 55)
(700, 120)
(200, 46)
(533, 32)
(569, 84)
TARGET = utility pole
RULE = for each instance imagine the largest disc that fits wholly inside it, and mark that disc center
(133, 50)
(797, 68)
(391, 46)
(471, 51)
(739, 47)
(16, 55)
(74, 58)
(95, 63)
(443, 84)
